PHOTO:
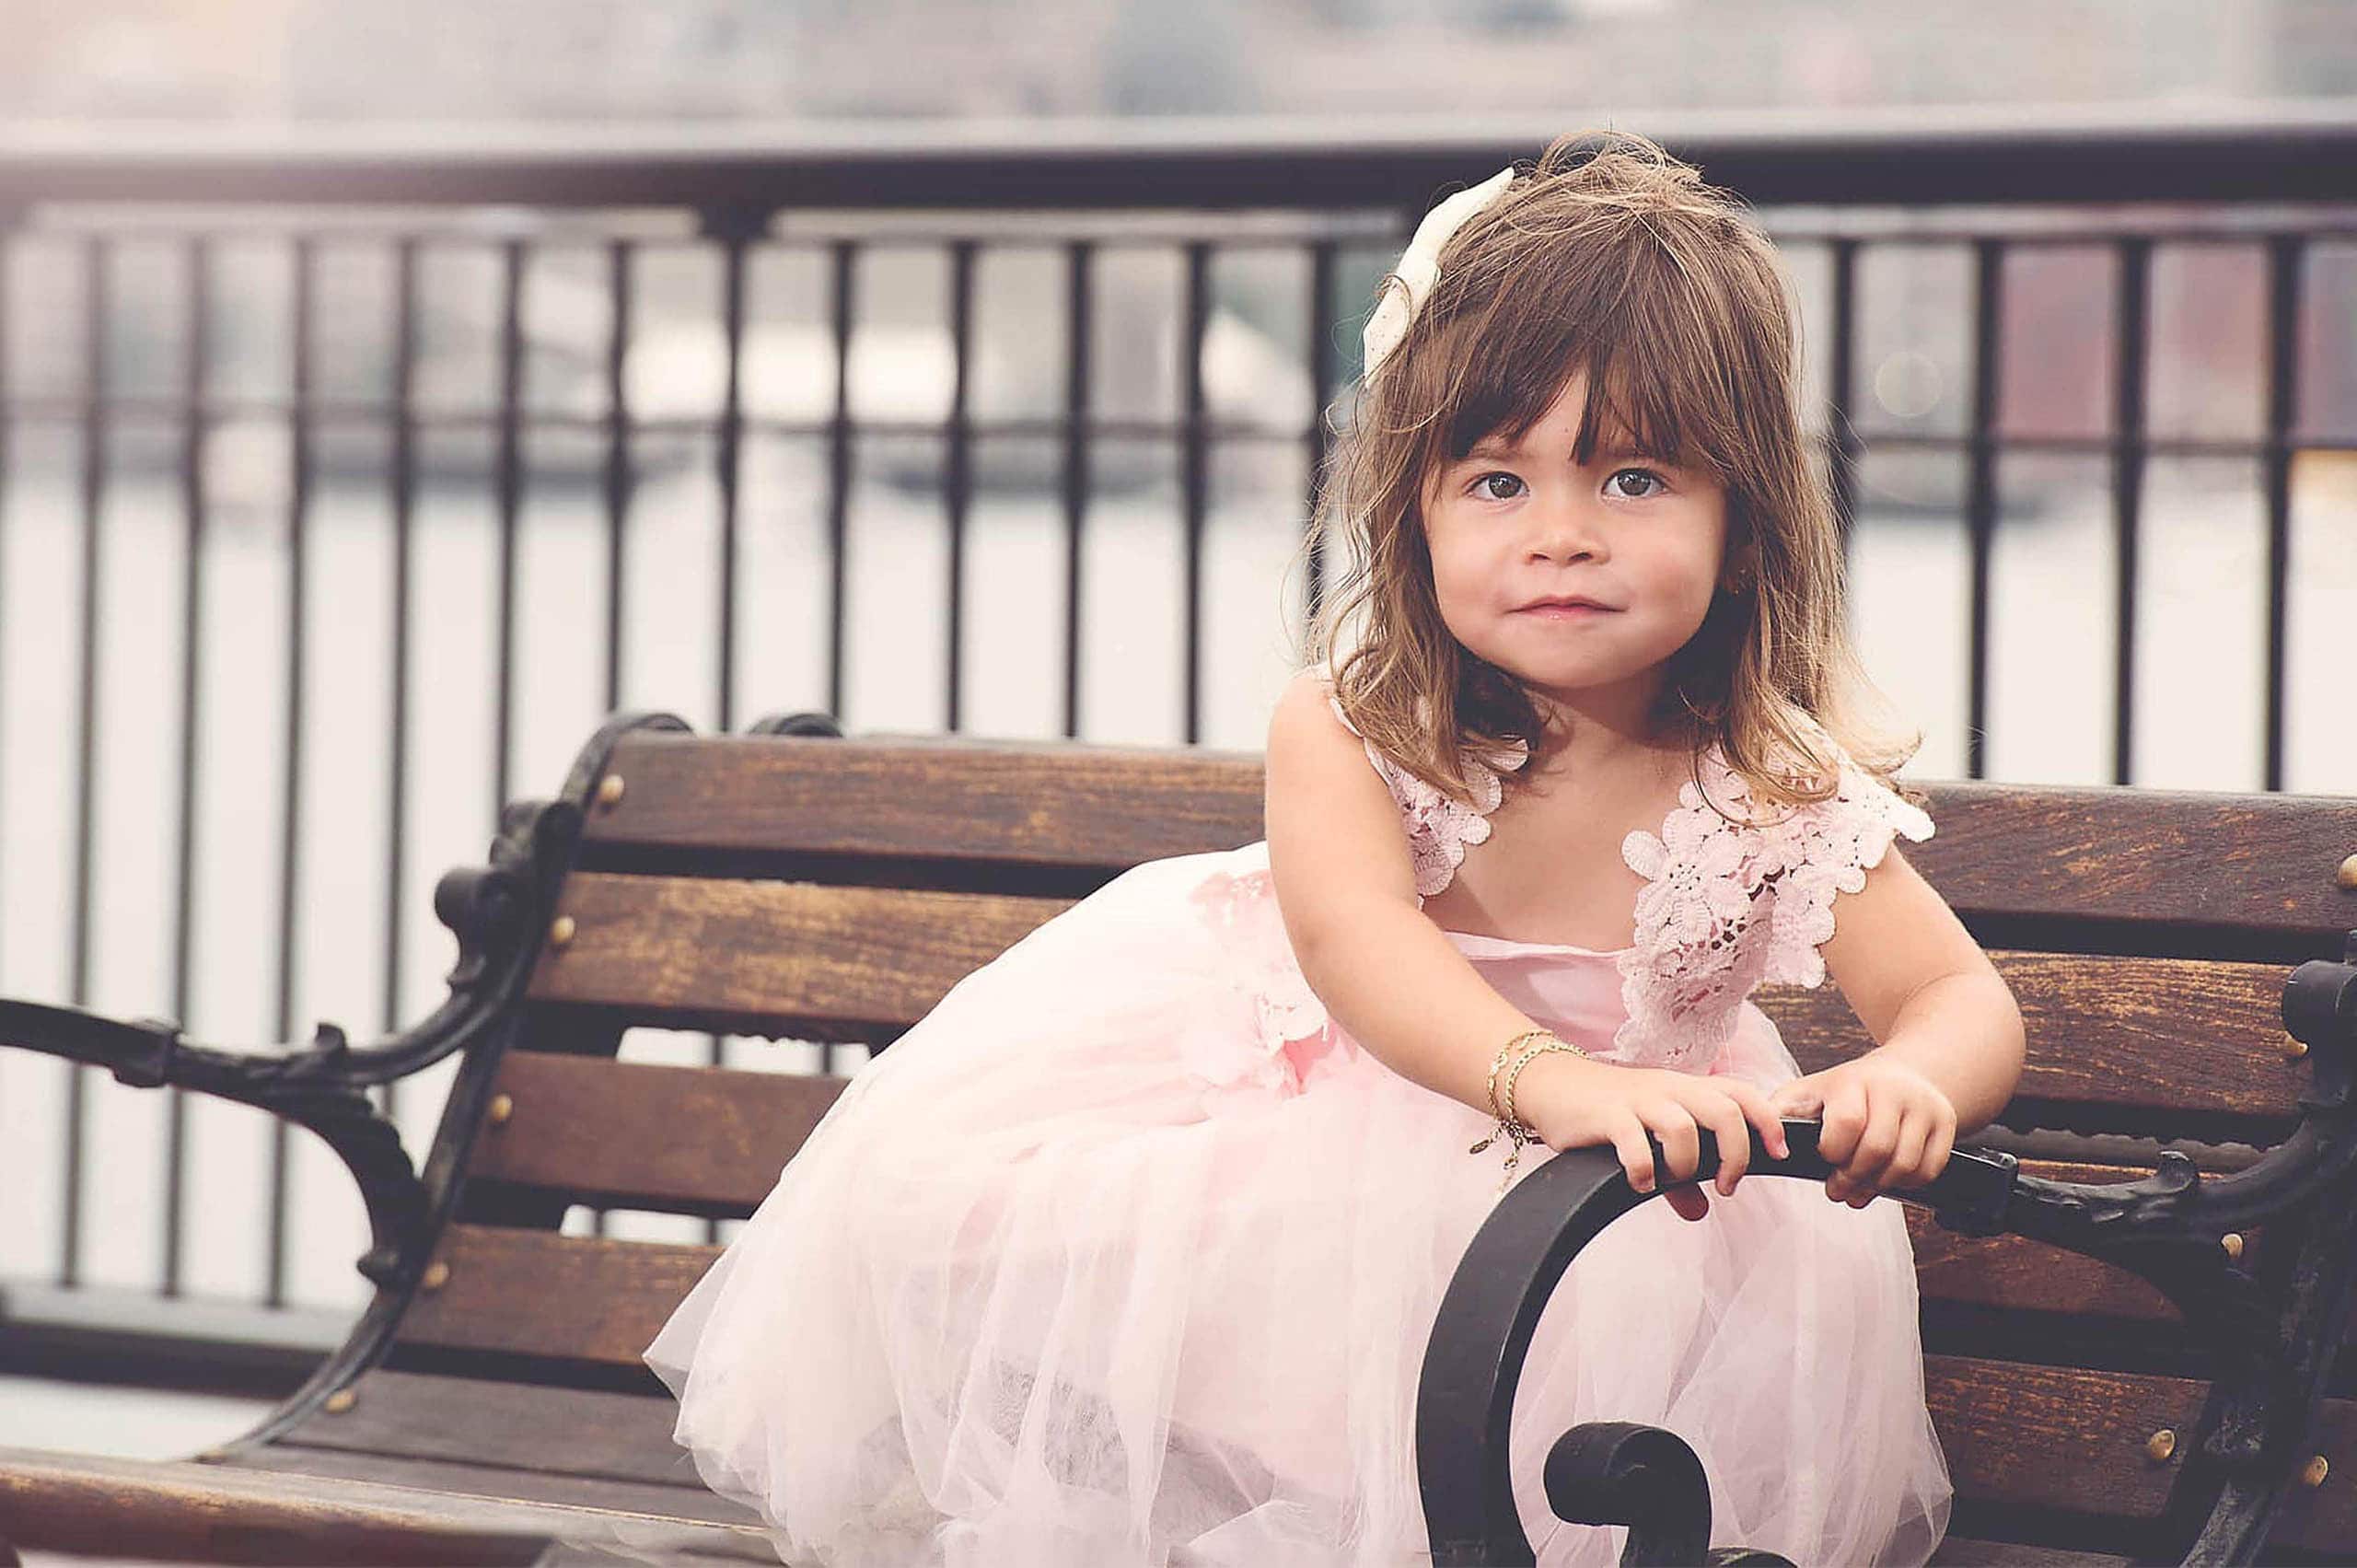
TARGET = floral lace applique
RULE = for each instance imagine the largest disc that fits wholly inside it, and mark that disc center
(1730, 903)
(1440, 830)
(1291, 1027)
(1828, 851)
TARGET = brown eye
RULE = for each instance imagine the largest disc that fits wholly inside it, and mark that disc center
(1497, 487)
(1646, 474)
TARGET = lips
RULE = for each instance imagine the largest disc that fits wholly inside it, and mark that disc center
(1566, 605)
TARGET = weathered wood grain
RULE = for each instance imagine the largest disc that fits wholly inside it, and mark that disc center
(535, 1292)
(633, 1136)
(764, 956)
(581, 1433)
(167, 1511)
(2179, 1034)
(709, 1525)
(2259, 864)
(1047, 804)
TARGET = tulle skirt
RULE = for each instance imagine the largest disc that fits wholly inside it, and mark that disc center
(1124, 1256)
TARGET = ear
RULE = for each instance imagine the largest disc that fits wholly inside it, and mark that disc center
(1736, 573)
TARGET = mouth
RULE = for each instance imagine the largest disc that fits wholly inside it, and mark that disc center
(1565, 609)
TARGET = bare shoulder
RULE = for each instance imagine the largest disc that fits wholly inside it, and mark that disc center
(1305, 716)
(1332, 825)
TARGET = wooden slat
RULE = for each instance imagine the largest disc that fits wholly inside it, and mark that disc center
(2057, 1436)
(2074, 1439)
(579, 1125)
(708, 1523)
(635, 1135)
(2175, 1034)
(536, 1292)
(1052, 804)
(764, 956)
(581, 1433)
(162, 1510)
(2260, 864)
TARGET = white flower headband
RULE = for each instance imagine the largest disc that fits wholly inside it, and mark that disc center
(1420, 264)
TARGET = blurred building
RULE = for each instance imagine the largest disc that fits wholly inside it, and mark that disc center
(729, 59)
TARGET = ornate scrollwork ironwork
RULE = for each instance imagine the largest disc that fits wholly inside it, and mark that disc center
(2272, 1329)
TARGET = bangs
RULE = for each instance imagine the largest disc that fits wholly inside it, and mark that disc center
(1655, 383)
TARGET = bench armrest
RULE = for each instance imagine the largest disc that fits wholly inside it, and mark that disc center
(1482, 1334)
(497, 913)
(321, 1087)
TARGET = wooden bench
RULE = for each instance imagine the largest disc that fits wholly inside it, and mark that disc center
(490, 1403)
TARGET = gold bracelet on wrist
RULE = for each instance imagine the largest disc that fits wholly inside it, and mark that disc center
(1511, 1127)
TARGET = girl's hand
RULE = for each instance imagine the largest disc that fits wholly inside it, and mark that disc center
(1885, 1124)
(1575, 1104)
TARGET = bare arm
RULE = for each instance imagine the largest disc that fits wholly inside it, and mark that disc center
(1348, 893)
(1948, 1034)
(1925, 991)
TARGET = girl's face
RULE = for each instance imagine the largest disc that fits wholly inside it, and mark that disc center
(1516, 529)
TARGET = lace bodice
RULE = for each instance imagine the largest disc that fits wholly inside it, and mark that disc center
(1729, 901)
(1439, 828)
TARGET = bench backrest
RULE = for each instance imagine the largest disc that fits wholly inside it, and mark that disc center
(834, 889)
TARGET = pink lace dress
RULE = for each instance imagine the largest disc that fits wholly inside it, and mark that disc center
(1127, 1254)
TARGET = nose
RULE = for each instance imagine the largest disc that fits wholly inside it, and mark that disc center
(1563, 528)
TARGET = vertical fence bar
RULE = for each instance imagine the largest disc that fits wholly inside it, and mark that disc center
(736, 232)
(2286, 254)
(1195, 487)
(619, 483)
(957, 486)
(1980, 498)
(1841, 443)
(290, 845)
(194, 432)
(508, 470)
(96, 255)
(618, 462)
(403, 457)
(1079, 269)
(845, 255)
(1320, 358)
(2130, 376)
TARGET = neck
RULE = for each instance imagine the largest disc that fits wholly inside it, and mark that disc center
(1607, 726)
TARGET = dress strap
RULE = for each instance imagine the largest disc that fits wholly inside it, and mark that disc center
(1439, 828)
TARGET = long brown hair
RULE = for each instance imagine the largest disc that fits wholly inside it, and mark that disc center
(1612, 258)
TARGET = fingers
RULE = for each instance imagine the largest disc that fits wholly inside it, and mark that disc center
(1841, 1119)
(1877, 1143)
(1636, 1155)
(1924, 1146)
(1801, 1098)
(1941, 1144)
(1760, 1109)
(1733, 1130)
(1687, 1202)
(1681, 1144)
(1906, 1165)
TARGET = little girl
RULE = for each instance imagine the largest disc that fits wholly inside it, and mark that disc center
(1129, 1253)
